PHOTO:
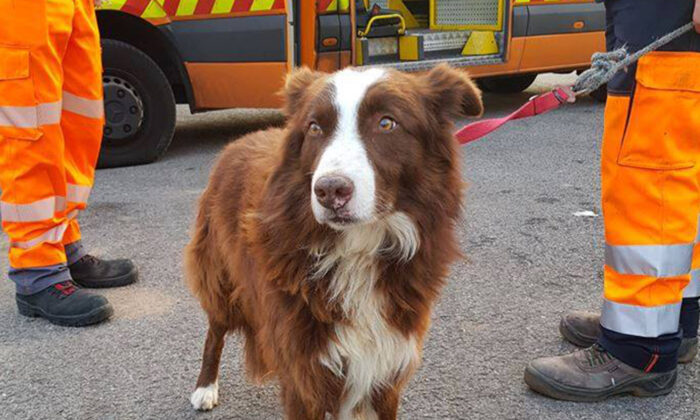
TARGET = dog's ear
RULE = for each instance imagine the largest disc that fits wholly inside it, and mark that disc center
(452, 92)
(296, 85)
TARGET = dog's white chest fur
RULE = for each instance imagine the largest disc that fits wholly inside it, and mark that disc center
(367, 352)
(371, 351)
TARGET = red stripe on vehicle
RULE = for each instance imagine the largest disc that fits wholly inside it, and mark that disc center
(204, 7)
(323, 5)
(135, 7)
(170, 7)
(242, 5)
(278, 5)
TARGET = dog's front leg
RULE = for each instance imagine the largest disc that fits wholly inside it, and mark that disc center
(386, 403)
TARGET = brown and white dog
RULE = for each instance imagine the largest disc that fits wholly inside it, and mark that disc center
(326, 243)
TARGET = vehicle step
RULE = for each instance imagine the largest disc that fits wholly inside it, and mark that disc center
(415, 45)
(438, 58)
(441, 40)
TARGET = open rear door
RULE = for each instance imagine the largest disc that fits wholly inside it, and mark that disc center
(415, 35)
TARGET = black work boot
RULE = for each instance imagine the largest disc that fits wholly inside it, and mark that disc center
(593, 374)
(582, 329)
(65, 304)
(93, 272)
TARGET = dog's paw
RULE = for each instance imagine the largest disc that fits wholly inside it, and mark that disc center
(205, 398)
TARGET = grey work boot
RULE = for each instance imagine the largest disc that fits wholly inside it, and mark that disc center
(593, 374)
(582, 329)
(688, 350)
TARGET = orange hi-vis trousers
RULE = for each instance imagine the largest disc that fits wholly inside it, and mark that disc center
(651, 196)
(51, 118)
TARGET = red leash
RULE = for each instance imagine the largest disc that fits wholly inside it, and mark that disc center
(537, 105)
(603, 67)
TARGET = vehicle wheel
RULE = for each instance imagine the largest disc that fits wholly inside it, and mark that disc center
(510, 84)
(139, 107)
(600, 94)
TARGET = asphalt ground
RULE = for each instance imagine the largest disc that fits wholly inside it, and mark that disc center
(530, 260)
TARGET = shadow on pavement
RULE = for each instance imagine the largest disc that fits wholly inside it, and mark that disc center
(500, 104)
(197, 132)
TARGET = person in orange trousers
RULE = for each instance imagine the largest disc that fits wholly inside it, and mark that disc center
(51, 118)
(651, 207)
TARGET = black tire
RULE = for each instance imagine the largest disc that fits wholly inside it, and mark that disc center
(139, 107)
(600, 94)
(509, 84)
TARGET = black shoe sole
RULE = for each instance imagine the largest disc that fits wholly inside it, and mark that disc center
(119, 281)
(660, 384)
(95, 316)
(575, 338)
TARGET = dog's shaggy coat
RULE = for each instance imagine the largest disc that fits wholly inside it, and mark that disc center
(333, 301)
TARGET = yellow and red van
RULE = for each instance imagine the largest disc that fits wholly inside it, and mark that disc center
(215, 54)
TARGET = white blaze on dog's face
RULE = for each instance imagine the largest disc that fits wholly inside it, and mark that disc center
(344, 163)
(368, 138)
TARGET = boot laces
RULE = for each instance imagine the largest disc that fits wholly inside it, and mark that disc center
(89, 259)
(65, 288)
(596, 355)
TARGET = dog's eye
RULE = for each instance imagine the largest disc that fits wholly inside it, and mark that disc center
(387, 124)
(314, 129)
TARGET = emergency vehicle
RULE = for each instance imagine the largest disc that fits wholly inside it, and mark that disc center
(215, 54)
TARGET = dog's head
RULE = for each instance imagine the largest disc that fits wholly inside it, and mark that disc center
(365, 137)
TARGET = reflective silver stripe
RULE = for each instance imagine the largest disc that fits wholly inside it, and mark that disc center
(641, 321)
(91, 108)
(650, 260)
(73, 214)
(77, 193)
(31, 116)
(32, 212)
(53, 235)
(49, 113)
(693, 288)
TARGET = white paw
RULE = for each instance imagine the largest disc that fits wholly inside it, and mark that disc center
(205, 398)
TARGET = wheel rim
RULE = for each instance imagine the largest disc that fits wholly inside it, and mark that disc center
(124, 110)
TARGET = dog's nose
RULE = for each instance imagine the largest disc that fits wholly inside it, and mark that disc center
(333, 191)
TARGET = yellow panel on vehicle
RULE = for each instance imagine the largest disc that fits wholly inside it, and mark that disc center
(326, 6)
(480, 43)
(186, 7)
(222, 6)
(467, 14)
(262, 5)
(398, 5)
(360, 51)
(410, 48)
(153, 10)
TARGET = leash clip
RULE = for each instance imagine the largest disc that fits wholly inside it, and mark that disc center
(567, 91)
